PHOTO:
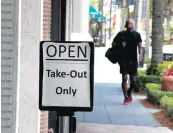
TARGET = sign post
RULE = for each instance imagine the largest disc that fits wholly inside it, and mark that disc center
(66, 79)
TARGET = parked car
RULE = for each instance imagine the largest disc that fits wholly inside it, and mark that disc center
(168, 53)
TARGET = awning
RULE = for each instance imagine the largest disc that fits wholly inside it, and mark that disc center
(94, 14)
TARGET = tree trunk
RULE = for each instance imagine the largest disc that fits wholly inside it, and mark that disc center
(157, 33)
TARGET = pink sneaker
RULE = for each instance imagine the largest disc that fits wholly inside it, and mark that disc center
(130, 99)
(126, 101)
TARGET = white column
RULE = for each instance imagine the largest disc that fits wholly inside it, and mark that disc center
(118, 23)
(28, 69)
(80, 16)
(138, 15)
(68, 19)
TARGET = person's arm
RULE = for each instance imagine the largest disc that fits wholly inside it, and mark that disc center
(140, 47)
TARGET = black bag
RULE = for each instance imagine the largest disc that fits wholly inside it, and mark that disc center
(114, 54)
(110, 54)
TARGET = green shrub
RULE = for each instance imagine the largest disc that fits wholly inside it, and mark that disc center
(164, 66)
(147, 79)
(159, 97)
(141, 72)
(167, 103)
(147, 61)
(156, 89)
(153, 87)
(159, 70)
(141, 83)
(151, 79)
(155, 93)
(166, 39)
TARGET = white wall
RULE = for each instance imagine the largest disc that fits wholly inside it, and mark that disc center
(118, 22)
(80, 16)
(69, 4)
(31, 34)
(138, 15)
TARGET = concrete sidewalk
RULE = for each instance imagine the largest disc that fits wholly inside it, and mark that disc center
(102, 128)
(109, 108)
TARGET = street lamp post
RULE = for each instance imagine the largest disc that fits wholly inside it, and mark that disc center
(138, 14)
(101, 22)
(110, 26)
(147, 29)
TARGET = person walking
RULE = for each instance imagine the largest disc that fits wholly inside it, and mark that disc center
(130, 41)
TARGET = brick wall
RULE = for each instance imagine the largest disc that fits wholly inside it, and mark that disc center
(8, 108)
(46, 37)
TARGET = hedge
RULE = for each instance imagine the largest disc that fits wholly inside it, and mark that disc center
(153, 92)
(144, 78)
(167, 103)
(159, 97)
(147, 79)
(150, 79)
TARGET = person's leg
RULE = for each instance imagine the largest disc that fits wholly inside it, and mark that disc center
(131, 86)
(124, 86)
(121, 65)
(123, 71)
(132, 73)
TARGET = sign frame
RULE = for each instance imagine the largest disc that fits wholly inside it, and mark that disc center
(59, 108)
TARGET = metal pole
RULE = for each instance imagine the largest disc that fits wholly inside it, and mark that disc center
(63, 120)
(138, 14)
(147, 29)
(110, 20)
(124, 15)
(64, 123)
(127, 6)
(124, 4)
(101, 37)
(58, 33)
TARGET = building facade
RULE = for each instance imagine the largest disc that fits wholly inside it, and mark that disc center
(9, 65)
(24, 24)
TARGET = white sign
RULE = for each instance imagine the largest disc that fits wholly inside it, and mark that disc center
(66, 79)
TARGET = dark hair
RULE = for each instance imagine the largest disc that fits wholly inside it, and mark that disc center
(127, 22)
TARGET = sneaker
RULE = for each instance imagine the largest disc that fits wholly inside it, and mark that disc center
(126, 101)
(130, 99)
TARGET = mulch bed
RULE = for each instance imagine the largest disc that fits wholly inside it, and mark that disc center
(140, 94)
(163, 117)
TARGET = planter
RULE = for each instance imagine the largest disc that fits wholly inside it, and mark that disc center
(167, 80)
(167, 83)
